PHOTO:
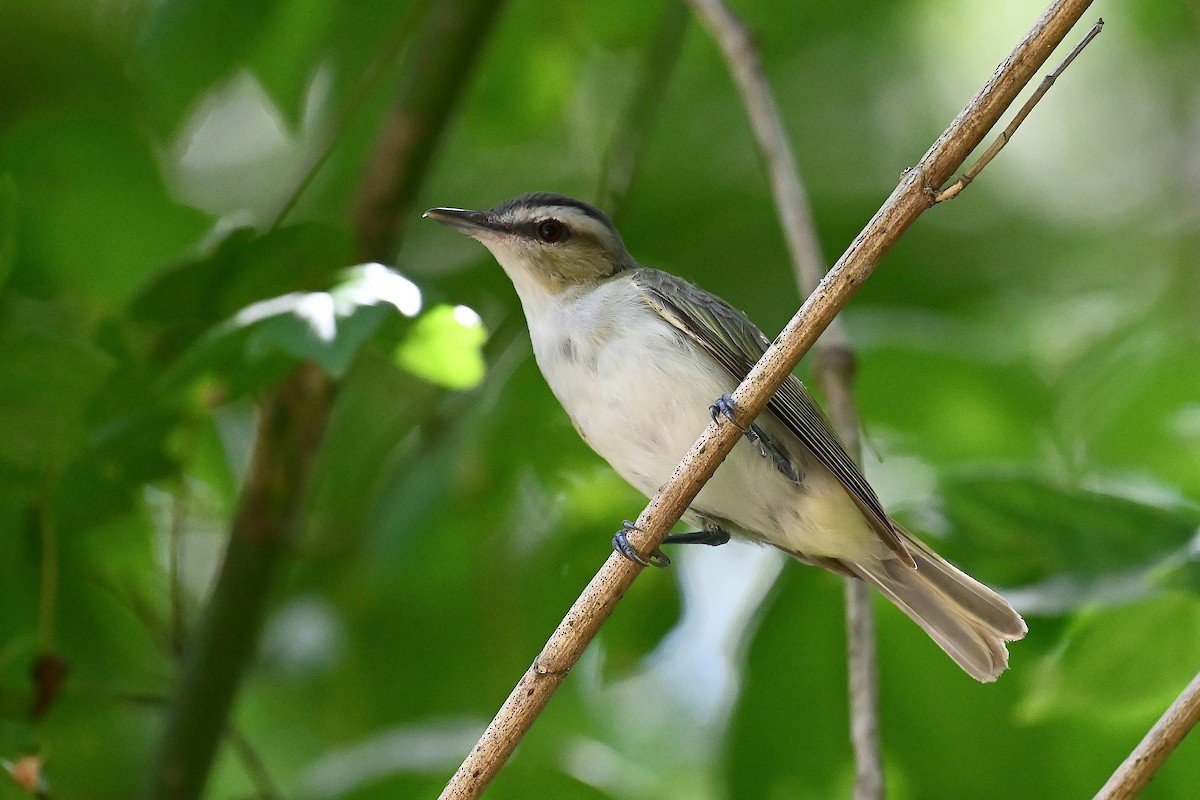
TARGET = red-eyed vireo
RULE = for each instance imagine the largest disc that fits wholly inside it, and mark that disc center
(636, 357)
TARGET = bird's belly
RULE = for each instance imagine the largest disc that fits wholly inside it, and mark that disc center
(642, 401)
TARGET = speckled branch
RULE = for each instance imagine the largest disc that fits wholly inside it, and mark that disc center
(1137, 770)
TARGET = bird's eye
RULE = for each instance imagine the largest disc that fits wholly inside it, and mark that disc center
(551, 231)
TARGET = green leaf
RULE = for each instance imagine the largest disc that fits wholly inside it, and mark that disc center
(325, 327)
(185, 46)
(49, 374)
(290, 46)
(377, 408)
(183, 302)
(8, 226)
(95, 217)
(309, 327)
(444, 347)
(1079, 545)
(1121, 665)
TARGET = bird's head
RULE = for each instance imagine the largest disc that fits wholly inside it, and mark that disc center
(546, 242)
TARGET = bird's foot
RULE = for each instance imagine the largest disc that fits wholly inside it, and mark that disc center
(766, 448)
(623, 546)
(725, 407)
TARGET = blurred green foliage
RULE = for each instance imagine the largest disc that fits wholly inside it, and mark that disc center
(1028, 379)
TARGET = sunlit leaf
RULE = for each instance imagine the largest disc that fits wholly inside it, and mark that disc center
(244, 267)
(443, 347)
(325, 327)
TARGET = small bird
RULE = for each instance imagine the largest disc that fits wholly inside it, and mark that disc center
(637, 358)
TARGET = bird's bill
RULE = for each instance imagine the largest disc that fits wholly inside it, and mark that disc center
(469, 222)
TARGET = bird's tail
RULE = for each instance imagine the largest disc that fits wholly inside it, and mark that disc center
(967, 619)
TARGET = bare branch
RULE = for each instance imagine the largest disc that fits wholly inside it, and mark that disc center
(950, 192)
(1137, 770)
(914, 195)
(256, 768)
(834, 365)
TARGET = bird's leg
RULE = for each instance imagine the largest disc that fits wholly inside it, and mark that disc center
(622, 545)
(725, 407)
(711, 535)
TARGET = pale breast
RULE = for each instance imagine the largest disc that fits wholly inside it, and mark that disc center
(638, 392)
(627, 379)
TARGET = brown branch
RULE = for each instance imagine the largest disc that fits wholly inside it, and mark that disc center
(914, 194)
(293, 417)
(834, 366)
(835, 369)
(1137, 770)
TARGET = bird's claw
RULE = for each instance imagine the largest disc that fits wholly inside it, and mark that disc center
(725, 406)
(623, 546)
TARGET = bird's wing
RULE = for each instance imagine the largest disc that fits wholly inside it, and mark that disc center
(734, 341)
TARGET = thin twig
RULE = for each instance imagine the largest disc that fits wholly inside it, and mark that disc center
(834, 363)
(391, 50)
(835, 370)
(1137, 770)
(49, 670)
(179, 511)
(256, 768)
(914, 195)
(950, 192)
(48, 590)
